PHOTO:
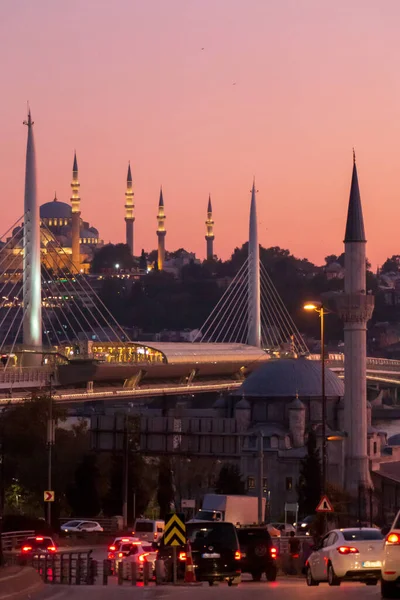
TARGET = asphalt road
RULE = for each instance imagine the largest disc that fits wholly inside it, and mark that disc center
(284, 589)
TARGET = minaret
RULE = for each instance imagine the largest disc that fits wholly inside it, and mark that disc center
(76, 218)
(210, 231)
(254, 320)
(32, 316)
(355, 307)
(129, 210)
(161, 232)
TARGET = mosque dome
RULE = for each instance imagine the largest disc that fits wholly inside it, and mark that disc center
(290, 377)
(88, 233)
(55, 210)
(394, 440)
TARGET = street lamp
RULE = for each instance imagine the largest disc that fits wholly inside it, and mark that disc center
(319, 308)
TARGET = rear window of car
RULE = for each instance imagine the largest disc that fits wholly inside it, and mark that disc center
(148, 548)
(358, 535)
(223, 534)
(142, 526)
(246, 535)
(38, 543)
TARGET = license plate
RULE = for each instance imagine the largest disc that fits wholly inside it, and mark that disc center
(372, 564)
(213, 555)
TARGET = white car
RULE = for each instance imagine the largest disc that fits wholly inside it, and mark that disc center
(81, 526)
(390, 582)
(284, 528)
(347, 554)
(136, 552)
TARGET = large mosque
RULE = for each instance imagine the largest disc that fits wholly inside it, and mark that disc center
(68, 242)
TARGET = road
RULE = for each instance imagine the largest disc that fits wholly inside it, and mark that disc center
(283, 589)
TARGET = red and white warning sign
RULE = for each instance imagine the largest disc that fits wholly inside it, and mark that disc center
(324, 505)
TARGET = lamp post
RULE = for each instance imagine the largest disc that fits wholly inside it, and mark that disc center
(50, 444)
(319, 308)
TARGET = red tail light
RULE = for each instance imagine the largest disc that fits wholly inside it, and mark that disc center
(111, 548)
(26, 548)
(120, 554)
(347, 550)
(182, 555)
(392, 538)
(39, 539)
(142, 557)
(111, 556)
(238, 555)
(51, 549)
(273, 552)
(155, 537)
(125, 540)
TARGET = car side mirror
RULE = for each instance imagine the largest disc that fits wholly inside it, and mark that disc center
(385, 530)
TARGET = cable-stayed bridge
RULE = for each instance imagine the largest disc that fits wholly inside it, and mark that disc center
(53, 325)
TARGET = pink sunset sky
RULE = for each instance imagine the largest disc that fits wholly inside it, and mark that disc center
(200, 95)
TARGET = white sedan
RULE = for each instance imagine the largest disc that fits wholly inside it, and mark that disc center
(347, 554)
(81, 526)
(390, 582)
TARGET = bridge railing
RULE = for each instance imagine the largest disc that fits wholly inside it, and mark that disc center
(11, 539)
(337, 360)
(25, 374)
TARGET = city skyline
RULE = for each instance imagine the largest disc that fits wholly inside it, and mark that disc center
(172, 90)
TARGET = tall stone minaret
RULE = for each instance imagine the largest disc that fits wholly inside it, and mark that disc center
(210, 231)
(76, 218)
(161, 232)
(129, 210)
(32, 317)
(355, 307)
(254, 299)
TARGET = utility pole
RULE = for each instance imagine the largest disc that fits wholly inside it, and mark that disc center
(125, 476)
(50, 443)
(260, 477)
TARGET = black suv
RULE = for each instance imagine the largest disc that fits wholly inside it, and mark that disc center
(215, 551)
(258, 553)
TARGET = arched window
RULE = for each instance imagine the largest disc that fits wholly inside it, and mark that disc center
(274, 441)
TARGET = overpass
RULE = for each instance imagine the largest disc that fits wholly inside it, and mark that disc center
(163, 370)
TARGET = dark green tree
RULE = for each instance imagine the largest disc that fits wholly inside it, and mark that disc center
(83, 495)
(309, 487)
(165, 488)
(143, 261)
(110, 255)
(230, 481)
(391, 264)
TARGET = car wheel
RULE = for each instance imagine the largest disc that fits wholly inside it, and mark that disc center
(389, 589)
(271, 574)
(310, 579)
(256, 575)
(332, 579)
(260, 550)
(371, 582)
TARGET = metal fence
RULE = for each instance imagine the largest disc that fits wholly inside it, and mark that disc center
(11, 539)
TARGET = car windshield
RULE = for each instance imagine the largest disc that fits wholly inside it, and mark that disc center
(245, 535)
(358, 535)
(39, 542)
(201, 534)
(71, 524)
(148, 548)
(206, 515)
(143, 527)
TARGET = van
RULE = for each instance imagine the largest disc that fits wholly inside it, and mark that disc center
(149, 530)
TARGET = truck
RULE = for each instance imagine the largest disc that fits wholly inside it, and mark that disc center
(242, 510)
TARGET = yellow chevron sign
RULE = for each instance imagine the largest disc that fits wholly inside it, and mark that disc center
(175, 530)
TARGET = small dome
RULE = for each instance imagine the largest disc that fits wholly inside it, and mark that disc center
(55, 210)
(221, 402)
(243, 404)
(88, 233)
(394, 440)
(297, 404)
(94, 230)
(290, 377)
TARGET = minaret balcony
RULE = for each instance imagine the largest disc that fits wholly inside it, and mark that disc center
(355, 308)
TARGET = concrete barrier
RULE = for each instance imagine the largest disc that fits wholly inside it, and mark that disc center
(18, 583)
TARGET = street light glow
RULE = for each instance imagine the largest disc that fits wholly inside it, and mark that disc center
(310, 306)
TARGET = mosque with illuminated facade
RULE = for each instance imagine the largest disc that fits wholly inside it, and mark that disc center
(68, 242)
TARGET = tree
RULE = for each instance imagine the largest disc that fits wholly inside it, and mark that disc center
(143, 261)
(83, 495)
(165, 488)
(310, 486)
(230, 480)
(391, 264)
(110, 255)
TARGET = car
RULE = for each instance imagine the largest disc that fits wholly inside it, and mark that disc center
(36, 546)
(115, 548)
(258, 552)
(273, 531)
(215, 552)
(284, 528)
(81, 527)
(303, 526)
(149, 530)
(390, 578)
(133, 552)
(346, 554)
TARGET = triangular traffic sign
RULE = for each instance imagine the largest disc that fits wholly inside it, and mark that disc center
(324, 505)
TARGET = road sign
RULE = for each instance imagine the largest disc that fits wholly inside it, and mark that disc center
(49, 496)
(175, 530)
(188, 504)
(324, 505)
